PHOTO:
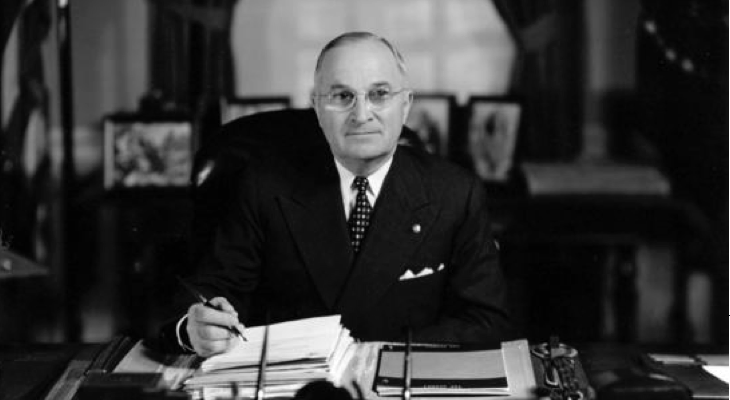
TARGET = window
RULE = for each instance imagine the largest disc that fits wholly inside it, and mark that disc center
(457, 46)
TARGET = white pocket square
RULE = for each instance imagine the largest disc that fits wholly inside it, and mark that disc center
(410, 275)
(424, 272)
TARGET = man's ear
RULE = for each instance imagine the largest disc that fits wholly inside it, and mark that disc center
(408, 102)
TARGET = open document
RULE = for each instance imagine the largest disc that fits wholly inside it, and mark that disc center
(298, 352)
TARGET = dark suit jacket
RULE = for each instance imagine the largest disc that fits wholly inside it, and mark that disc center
(283, 248)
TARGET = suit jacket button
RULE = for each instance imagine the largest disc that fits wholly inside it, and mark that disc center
(416, 228)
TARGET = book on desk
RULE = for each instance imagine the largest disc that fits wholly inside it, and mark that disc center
(442, 371)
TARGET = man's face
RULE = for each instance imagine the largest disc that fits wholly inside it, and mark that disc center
(362, 135)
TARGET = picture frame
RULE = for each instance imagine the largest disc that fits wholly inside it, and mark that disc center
(493, 125)
(236, 107)
(147, 151)
(431, 118)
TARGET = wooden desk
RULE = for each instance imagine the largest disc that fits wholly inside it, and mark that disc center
(55, 372)
(29, 371)
(601, 358)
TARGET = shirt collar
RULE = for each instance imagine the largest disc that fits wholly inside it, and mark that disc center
(375, 179)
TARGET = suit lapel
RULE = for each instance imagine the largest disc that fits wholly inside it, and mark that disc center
(316, 218)
(391, 239)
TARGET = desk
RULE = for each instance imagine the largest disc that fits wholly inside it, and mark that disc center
(599, 358)
(54, 372)
(29, 371)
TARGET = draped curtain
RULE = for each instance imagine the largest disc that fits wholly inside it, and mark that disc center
(24, 137)
(548, 74)
(191, 63)
(682, 81)
(29, 308)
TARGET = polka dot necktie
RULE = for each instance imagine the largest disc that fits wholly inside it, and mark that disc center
(360, 215)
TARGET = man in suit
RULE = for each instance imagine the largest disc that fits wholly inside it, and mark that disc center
(387, 236)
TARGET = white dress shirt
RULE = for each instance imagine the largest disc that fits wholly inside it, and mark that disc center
(349, 194)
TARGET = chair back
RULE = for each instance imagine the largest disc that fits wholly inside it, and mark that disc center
(288, 133)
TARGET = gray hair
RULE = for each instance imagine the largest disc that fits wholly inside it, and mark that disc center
(354, 37)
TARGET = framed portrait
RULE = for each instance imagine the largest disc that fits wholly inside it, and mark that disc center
(147, 152)
(236, 107)
(430, 118)
(492, 130)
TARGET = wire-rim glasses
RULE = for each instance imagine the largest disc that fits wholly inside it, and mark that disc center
(345, 99)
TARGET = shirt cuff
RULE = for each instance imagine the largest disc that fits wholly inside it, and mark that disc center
(183, 340)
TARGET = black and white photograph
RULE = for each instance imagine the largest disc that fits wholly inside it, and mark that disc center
(431, 119)
(145, 154)
(364, 199)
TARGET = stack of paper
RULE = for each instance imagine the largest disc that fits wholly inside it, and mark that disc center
(298, 352)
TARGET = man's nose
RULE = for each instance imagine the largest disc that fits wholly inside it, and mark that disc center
(361, 110)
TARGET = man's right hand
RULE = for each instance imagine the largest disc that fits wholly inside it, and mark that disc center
(209, 328)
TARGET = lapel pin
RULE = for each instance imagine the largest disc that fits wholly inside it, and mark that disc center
(416, 228)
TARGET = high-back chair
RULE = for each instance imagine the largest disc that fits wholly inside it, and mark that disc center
(291, 133)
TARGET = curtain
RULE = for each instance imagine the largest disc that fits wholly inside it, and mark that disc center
(682, 81)
(28, 202)
(24, 152)
(548, 74)
(191, 62)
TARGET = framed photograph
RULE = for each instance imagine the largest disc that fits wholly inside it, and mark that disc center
(236, 107)
(430, 117)
(147, 152)
(492, 129)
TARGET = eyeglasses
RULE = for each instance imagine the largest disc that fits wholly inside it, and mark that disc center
(345, 99)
